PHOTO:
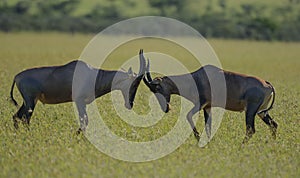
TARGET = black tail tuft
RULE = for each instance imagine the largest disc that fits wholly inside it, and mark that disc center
(12, 94)
(273, 90)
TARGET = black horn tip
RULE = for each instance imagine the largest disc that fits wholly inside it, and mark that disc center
(142, 63)
(148, 65)
(148, 75)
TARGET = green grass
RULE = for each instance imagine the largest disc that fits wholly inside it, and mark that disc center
(51, 147)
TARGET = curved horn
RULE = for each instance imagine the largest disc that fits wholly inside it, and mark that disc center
(142, 63)
(149, 78)
(146, 82)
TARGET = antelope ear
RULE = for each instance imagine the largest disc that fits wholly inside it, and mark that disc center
(156, 81)
(130, 72)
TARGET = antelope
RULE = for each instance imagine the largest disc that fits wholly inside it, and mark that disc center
(53, 85)
(244, 93)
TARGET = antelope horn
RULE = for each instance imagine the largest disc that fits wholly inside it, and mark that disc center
(149, 78)
(142, 63)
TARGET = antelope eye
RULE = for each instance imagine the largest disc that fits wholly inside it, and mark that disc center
(158, 87)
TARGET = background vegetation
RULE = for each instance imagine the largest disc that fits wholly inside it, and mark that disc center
(259, 20)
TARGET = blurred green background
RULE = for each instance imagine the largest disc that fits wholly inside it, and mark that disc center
(243, 19)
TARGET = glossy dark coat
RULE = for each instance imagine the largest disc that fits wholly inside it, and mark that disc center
(243, 93)
(54, 85)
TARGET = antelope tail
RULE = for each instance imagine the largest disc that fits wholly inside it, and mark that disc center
(12, 94)
(271, 106)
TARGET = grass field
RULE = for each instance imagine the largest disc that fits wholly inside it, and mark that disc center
(51, 147)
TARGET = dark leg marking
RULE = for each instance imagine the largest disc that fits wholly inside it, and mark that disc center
(254, 99)
(29, 89)
(83, 118)
(19, 115)
(250, 116)
(189, 116)
(270, 122)
(29, 108)
(207, 119)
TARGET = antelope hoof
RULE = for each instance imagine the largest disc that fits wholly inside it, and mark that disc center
(197, 136)
(273, 130)
(25, 122)
(80, 130)
(247, 138)
(15, 122)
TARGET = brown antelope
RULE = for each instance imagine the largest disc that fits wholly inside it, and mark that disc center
(244, 93)
(53, 85)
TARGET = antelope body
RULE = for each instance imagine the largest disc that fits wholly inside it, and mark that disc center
(54, 85)
(243, 93)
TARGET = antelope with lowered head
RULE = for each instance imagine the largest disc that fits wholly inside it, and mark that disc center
(243, 93)
(55, 84)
